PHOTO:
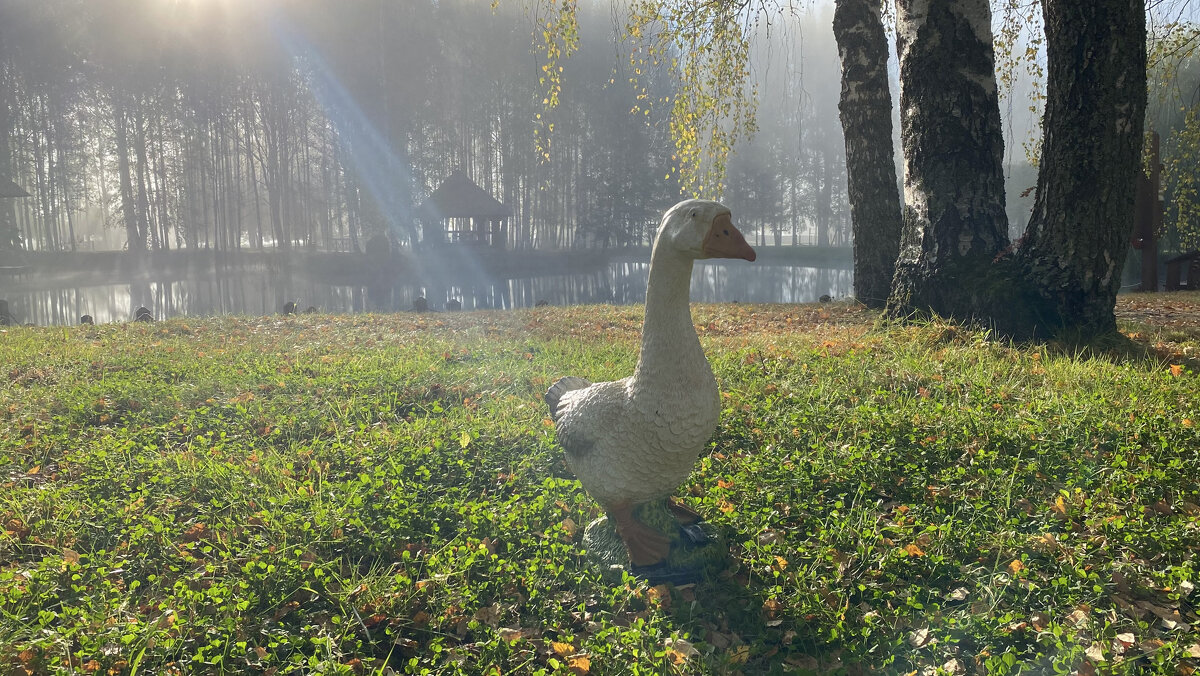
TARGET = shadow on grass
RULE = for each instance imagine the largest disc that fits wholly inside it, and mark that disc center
(1119, 348)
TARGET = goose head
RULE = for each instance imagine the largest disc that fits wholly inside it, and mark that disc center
(701, 229)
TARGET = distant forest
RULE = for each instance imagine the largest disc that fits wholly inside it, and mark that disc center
(172, 124)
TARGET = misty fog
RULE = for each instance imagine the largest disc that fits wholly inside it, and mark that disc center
(314, 130)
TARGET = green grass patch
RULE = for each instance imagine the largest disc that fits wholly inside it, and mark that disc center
(382, 494)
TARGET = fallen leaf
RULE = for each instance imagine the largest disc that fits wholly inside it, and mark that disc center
(918, 638)
(660, 595)
(768, 536)
(1079, 616)
(562, 649)
(680, 650)
(913, 550)
(1059, 507)
(1040, 621)
(70, 556)
(1176, 370)
(489, 615)
(958, 594)
(1095, 652)
(510, 635)
(1016, 566)
(568, 524)
(740, 654)
(579, 664)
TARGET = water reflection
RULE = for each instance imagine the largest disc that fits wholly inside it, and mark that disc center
(263, 293)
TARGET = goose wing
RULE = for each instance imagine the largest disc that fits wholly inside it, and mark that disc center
(590, 416)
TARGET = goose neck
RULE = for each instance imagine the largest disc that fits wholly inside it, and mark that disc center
(669, 342)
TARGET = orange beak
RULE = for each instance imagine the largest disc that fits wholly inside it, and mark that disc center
(725, 241)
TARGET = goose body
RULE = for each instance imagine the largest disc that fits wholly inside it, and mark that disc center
(634, 440)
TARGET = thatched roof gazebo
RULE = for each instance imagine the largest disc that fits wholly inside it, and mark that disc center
(461, 211)
(10, 189)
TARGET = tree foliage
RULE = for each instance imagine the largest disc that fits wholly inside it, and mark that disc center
(1174, 112)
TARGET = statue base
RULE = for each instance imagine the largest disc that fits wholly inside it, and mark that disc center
(697, 550)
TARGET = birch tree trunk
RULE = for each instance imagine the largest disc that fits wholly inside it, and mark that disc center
(954, 219)
(866, 115)
(1078, 235)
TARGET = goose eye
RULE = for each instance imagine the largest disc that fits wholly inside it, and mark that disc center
(726, 233)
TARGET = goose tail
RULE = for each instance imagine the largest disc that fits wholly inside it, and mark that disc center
(555, 394)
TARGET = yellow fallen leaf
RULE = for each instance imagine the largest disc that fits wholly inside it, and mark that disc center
(1176, 370)
(1059, 507)
(913, 550)
(561, 649)
(740, 654)
(1016, 566)
(579, 664)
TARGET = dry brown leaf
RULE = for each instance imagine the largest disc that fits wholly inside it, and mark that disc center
(509, 634)
(1079, 616)
(768, 536)
(919, 637)
(568, 525)
(913, 550)
(1016, 566)
(489, 615)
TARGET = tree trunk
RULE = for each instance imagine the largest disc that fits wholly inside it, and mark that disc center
(10, 235)
(954, 220)
(136, 240)
(866, 114)
(1078, 235)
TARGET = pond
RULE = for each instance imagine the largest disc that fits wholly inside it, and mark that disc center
(265, 292)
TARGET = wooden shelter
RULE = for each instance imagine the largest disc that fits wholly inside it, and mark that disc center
(461, 211)
(1188, 263)
(10, 189)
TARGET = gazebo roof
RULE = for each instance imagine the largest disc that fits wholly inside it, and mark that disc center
(10, 189)
(459, 197)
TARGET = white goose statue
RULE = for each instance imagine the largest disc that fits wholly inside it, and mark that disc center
(635, 440)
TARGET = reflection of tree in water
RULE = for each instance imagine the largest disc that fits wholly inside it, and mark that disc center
(264, 292)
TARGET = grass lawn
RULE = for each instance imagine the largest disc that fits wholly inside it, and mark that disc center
(378, 494)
